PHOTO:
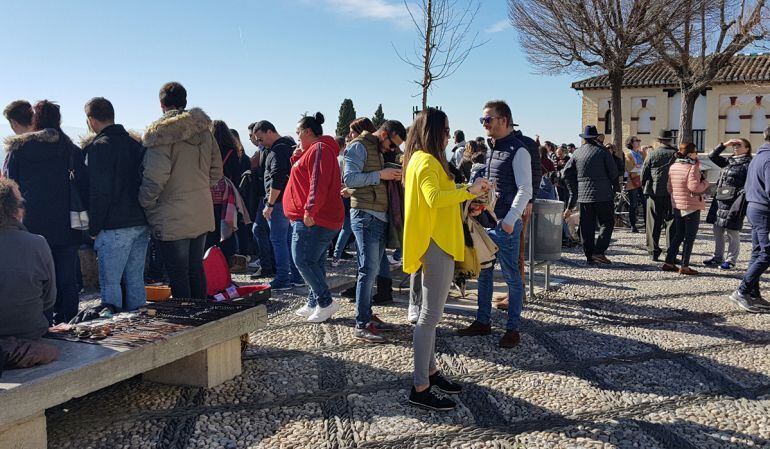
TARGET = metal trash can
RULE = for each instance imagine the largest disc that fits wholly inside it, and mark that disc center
(546, 223)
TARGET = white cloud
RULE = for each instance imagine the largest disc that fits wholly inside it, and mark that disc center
(499, 26)
(370, 9)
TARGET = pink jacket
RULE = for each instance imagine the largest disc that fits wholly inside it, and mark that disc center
(686, 185)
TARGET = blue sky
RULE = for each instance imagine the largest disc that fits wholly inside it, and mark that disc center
(242, 61)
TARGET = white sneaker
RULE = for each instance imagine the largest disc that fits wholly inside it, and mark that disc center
(254, 264)
(322, 314)
(305, 311)
(414, 313)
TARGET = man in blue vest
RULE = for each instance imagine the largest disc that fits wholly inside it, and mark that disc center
(509, 167)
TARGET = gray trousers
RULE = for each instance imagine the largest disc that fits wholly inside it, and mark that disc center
(733, 244)
(660, 216)
(437, 273)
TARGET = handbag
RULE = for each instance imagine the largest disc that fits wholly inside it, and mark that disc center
(78, 212)
(725, 193)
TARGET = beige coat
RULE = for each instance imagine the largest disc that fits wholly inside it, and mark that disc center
(182, 163)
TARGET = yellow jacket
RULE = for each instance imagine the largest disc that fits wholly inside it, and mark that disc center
(431, 211)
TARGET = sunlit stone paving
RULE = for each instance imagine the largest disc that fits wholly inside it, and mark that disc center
(620, 357)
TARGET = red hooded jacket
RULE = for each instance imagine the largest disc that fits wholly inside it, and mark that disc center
(314, 186)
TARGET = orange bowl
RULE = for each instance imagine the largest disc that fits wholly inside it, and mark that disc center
(156, 293)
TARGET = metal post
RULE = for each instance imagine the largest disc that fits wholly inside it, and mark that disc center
(531, 254)
(547, 275)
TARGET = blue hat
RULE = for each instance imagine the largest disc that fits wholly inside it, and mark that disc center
(590, 132)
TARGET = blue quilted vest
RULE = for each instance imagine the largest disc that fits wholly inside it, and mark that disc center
(500, 171)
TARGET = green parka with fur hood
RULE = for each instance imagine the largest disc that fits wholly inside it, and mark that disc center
(181, 165)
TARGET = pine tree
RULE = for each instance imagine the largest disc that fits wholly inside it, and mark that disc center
(347, 115)
(379, 117)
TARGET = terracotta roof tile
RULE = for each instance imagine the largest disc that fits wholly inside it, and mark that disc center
(745, 68)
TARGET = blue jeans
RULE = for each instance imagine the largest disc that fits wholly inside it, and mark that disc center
(121, 254)
(345, 233)
(261, 230)
(508, 256)
(760, 250)
(280, 237)
(308, 247)
(65, 263)
(370, 238)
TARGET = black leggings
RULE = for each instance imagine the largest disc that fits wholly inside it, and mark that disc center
(184, 265)
(685, 230)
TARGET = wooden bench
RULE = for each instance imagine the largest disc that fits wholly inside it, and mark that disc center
(203, 356)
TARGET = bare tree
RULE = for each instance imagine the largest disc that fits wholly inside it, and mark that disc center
(443, 28)
(595, 35)
(711, 34)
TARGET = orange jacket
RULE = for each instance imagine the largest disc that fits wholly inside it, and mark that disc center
(686, 185)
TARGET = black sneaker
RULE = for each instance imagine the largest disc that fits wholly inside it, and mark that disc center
(744, 302)
(427, 399)
(713, 262)
(444, 385)
(759, 302)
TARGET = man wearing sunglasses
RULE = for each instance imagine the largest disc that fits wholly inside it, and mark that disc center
(509, 166)
(364, 175)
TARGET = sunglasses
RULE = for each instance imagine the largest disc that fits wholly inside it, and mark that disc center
(486, 120)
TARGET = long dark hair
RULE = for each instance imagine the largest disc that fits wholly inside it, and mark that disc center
(47, 114)
(362, 124)
(224, 138)
(427, 134)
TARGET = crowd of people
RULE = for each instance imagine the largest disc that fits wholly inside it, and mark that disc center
(152, 205)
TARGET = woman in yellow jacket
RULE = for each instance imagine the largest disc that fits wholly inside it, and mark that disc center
(433, 241)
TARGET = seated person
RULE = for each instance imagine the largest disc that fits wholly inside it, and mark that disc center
(27, 286)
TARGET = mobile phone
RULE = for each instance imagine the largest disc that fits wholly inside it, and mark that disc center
(392, 165)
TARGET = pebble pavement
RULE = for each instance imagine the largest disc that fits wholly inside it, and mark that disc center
(625, 356)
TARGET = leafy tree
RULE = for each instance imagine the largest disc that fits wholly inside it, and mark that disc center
(347, 115)
(379, 117)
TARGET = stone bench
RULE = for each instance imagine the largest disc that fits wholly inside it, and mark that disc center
(203, 356)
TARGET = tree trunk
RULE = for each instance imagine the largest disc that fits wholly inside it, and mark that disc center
(689, 97)
(426, 77)
(616, 86)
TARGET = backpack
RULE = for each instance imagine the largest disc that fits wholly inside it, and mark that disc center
(220, 284)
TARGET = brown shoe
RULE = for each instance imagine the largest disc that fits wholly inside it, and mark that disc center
(688, 271)
(601, 258)
(510, 339)
(669, 267)
(498, 298)
(475, 329)
(238, 264)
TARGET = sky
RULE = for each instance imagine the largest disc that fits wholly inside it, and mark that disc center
(243, 61)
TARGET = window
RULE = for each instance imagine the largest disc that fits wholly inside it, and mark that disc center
(759, 120)
(733, 123)
(608, 122)
(645, 122)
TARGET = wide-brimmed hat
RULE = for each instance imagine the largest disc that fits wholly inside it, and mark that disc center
(590, 132)
(665, 134)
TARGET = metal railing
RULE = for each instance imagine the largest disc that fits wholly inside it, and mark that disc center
(698, 138)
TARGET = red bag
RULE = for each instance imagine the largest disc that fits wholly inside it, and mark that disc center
(219, 282)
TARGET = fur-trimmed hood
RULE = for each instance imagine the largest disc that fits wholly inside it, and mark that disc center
(89, 138)
(48, 135)
(176, 126)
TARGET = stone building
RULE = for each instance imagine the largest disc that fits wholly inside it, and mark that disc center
(737, 104)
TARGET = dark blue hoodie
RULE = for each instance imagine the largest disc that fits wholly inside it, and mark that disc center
(758, 180)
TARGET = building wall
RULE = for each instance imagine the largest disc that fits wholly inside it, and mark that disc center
(652, 109)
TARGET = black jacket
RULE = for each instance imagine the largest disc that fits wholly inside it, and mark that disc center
(590, 173)
(729, 214)
(39, 162)
(114, 161)
(278, 165)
